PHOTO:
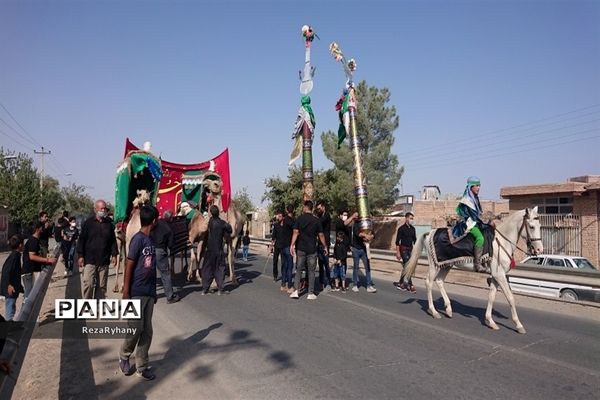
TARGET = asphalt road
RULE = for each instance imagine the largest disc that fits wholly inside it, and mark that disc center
(256, 343)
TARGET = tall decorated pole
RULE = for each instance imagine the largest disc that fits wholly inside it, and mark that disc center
(305, 122)
(346, 108)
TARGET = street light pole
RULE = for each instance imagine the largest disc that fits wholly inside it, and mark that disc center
(42, 153)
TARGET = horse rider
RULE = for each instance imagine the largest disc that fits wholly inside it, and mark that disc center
(469, 211)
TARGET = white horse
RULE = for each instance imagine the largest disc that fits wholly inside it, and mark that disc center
(524, 223)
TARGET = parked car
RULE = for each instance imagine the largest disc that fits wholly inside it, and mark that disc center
(549, 288)
(560, 261)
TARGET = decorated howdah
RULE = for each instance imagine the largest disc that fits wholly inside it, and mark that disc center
(139, 170)
(176, 183)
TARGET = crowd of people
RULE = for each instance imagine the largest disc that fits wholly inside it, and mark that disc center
(308, 238)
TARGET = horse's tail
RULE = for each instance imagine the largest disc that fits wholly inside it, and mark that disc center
(411, 265)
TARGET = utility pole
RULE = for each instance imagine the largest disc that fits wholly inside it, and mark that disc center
(42, 153)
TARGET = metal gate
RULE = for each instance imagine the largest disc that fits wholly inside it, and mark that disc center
(561, 234)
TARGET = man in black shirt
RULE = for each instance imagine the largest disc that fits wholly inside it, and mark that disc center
(282, 237)
(60, 225)
(45, 234)
(96, 247)
(324, 270)
(406, 237)
(213, 265)
(32, 258)
(162, 235)
(282, 234)
(306, 231)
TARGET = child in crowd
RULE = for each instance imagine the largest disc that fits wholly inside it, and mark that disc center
(245, 245)
(340, 253)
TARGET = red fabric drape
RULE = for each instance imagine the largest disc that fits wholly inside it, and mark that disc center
(169, 189)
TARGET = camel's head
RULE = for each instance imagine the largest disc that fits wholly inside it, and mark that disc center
(214, 186)
(185, 208)
(143, 197)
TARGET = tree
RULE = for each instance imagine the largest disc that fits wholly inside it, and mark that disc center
(282, 193)
(77, 201)
(330, 186)
(20, 188)
(52, 200)
(376, 123)
(243, 202)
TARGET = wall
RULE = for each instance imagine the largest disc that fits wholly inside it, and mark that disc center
(586, 206)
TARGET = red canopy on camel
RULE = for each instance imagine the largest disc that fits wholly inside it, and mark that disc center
(170, 187)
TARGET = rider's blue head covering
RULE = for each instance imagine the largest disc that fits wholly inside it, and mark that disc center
(473, 181)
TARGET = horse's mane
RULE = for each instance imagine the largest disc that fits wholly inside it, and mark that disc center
(513, 218)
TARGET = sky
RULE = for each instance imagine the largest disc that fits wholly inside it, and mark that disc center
(508, 91)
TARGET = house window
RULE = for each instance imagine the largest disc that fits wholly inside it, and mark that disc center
(554, 205)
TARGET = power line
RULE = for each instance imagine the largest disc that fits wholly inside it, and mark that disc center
(15, 131)
(16, 141)
(491, 151)
(498, 132)
(33, 141)
(471, 159)
(480, 145)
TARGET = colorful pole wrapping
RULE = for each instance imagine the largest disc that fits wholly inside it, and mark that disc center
(348, 126)
(305, 122)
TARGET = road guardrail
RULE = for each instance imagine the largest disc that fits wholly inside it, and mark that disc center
(549, 273)
(18, 333)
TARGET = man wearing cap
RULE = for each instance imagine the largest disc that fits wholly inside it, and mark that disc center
(469, 209)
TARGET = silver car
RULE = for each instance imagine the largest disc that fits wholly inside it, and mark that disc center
(560, 261)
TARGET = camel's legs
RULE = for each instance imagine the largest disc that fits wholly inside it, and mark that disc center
(193, 265)
(231, 260)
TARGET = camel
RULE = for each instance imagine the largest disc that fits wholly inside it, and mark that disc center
(124, 237)
(198, 229)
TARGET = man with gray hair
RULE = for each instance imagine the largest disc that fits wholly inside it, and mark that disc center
(162, 235)
(96, 247)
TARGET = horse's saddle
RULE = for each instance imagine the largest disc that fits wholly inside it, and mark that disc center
(450, 250)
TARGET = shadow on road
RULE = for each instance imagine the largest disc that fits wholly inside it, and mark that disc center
(184, 351)
(462, 309)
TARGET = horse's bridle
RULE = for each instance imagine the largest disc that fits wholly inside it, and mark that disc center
(529, 239)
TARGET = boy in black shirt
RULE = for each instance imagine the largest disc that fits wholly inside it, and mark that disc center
(10, 283)
(340, 253)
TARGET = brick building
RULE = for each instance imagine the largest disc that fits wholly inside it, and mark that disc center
(569, 214)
